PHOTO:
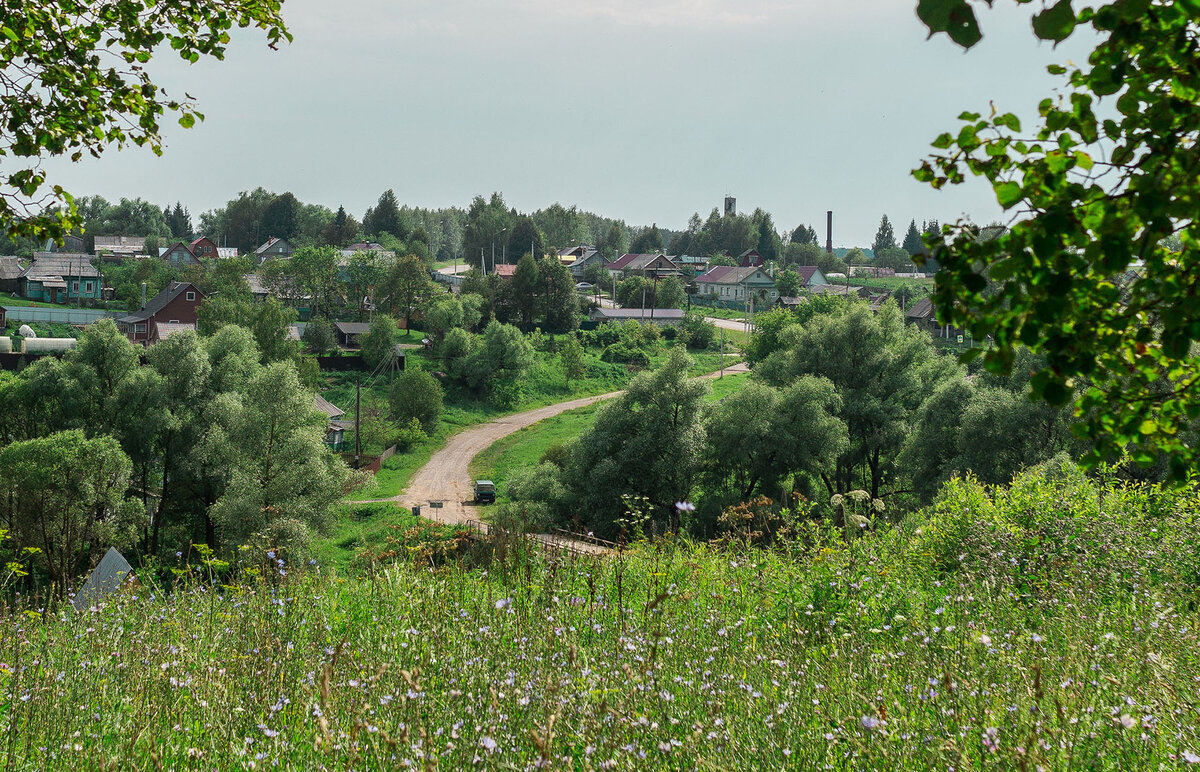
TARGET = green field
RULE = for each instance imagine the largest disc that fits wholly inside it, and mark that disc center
(892, 283)
(1024, 629)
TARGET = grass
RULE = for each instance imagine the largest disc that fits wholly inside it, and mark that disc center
(13, 301)
(1021, 629)
(376, 528)
(526, 446)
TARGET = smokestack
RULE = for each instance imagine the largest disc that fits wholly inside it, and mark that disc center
(829, 231)
(143, 294)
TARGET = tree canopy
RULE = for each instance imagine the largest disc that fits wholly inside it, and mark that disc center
(1086, 273)
(73, 82)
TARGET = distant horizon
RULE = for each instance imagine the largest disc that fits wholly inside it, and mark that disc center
(643, 112)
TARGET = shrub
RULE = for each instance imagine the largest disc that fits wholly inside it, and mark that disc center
(623, 353)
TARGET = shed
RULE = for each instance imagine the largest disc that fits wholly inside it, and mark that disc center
(348, 333)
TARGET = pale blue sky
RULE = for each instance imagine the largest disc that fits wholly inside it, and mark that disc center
(644, 110)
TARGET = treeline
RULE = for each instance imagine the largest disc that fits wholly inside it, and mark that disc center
(210, 442)
(842, 403)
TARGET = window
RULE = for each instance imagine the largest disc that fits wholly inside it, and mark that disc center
(139, 327)
(75, 288)
(191, 296)
(87, 287)
(173, 321)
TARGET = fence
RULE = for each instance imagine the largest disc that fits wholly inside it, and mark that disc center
(59, 315)
(558, 540)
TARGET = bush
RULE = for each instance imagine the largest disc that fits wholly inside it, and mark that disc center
(623, 353)
(416, 395)
(318, 337)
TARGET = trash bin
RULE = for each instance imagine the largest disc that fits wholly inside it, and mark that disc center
(416, 510)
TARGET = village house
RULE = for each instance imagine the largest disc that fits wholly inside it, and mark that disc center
(59, 278)
(204, 247)
(581, 263)
(178, 255)
(274, 247)
(923, 315)
(648, 266)
(119, 246)
(737, 284)
(335, 430)
(659, 316)
(750, 259)
(348, 333)
(176, 304)
(10, 269)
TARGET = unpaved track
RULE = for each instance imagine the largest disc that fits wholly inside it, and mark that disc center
(446, 477)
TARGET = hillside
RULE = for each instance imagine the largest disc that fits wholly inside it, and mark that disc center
(1052, 625)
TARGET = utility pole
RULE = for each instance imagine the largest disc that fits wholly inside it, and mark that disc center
(357, 418)
(722, 352)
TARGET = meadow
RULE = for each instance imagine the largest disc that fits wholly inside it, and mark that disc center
(1052, 625)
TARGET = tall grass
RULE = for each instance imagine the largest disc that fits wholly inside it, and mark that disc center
(1068, 641)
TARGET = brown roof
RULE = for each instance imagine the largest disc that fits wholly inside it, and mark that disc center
(728, 274)
(922, 309)
(164, 330)
(505, 270)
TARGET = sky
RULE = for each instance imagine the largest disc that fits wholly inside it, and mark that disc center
(643, 110)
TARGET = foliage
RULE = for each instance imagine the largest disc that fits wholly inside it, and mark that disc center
(647, 241)
(885, 238)
(882, 368)
(416, 395)
(385, 217)
(65, 99)
(525, 285)
(405, 287)
(788, 283)
(913, 243)
(378, 340)
(557, 301)
(281, 482)
(648, 442)
(571, 358)
(319, 337)
(1093, 196)
(65, 495)
(699, 333)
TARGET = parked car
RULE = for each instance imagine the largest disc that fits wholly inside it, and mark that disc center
(583, 285)
(485, 492)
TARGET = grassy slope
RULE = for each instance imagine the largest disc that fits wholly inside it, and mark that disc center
(914, 647)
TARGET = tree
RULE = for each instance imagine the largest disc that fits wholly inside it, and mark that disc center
(378, 340)
(558, 302)
(648, 442)
(647, 241)
(363, 272)
(788, 283)
(571, 358)
(281, 217)
(897, 259)
(61, 85)
(670, 293)
(416, 395)
(341, 230)
(882, 368)
(912, 240)
(759, 436)
(804, 234)
(597, 275)
(526, 282)
(487, 222)
(179, 221)
(633, 292)
(405, 287)
(885, 238)
(64, 494)
(385, 217)
(282, 480)
(1090, 195)
(269, 322)
(524, 236)
(318, 336)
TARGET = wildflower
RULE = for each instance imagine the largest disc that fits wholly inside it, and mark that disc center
(870, 723)
(939, 611)
(985, 640)
(1128, 721)
(488, 744)
(1191, 758)
(503, 603)
(1036, 638)
(685, 506)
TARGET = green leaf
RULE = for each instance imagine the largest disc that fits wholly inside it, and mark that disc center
(954, 17)
(187, 121)
(1008, 194)
(1056, 22)
(1148, 427)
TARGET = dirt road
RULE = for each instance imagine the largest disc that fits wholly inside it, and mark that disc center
(446, 478)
